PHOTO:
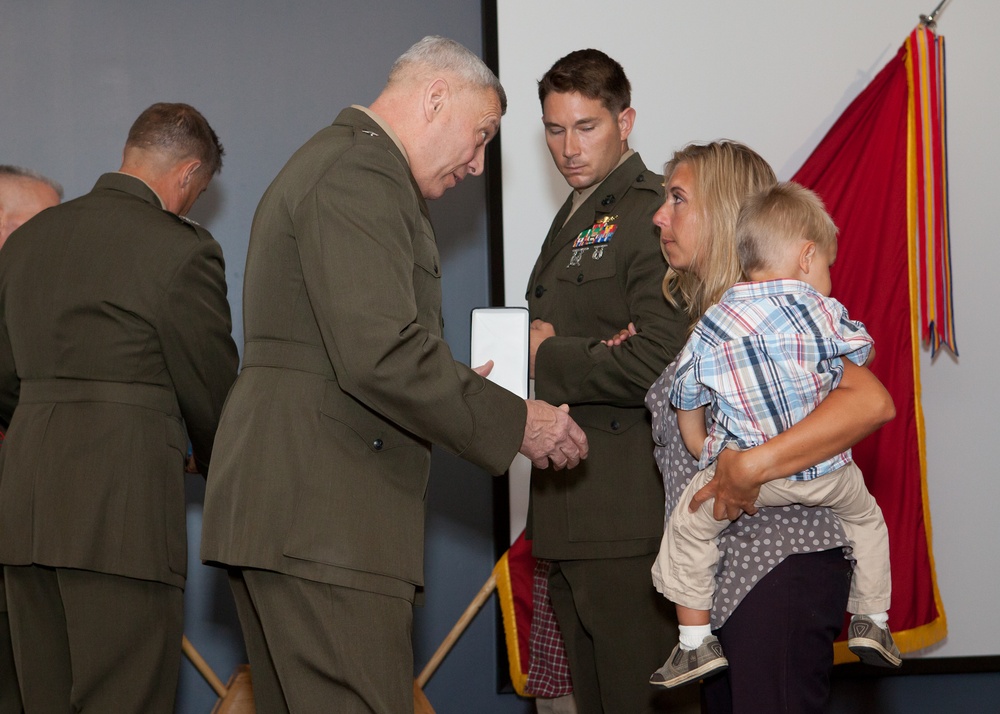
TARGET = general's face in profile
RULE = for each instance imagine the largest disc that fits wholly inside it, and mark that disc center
(585, 138)
(456, 146)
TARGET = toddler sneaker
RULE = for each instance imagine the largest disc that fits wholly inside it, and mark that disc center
(685, 666)
(871, 643)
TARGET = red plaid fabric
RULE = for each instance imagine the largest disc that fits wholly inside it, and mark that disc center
(548, 669)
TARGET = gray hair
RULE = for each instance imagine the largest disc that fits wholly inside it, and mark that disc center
(440, 53)
(19, 172)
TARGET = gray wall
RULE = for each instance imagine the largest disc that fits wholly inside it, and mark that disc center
(267, 75)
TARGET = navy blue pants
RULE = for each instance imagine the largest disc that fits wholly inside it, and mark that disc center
(779, 640)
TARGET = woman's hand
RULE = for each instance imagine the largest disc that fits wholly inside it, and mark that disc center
(734, 487)
(621, 336)
(538, 332)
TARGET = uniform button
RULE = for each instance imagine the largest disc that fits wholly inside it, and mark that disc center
(609, 199)
(640, 178)
(539, 291)
(377, 444)
(579, 278)
(615, 425)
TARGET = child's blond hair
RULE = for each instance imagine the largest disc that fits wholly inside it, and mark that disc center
(776, 217)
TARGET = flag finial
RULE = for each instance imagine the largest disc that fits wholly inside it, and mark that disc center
(930, 21)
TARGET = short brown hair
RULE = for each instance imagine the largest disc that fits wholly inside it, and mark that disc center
(590, 73)
(777, 217)
(180, 130)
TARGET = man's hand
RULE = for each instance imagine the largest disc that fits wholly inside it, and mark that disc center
(734, 489)
(537, 334)
(551, 435)
(484, 370)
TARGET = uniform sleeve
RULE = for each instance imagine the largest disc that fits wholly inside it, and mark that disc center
(581, 370)
(372, 273)
(195, 330)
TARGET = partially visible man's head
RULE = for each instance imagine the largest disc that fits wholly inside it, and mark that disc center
(173, 148)
(445, 104)
(23, 193)
(585, 100)
(178, 131)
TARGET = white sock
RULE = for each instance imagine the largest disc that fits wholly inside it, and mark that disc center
(691, 636)
(881, 619)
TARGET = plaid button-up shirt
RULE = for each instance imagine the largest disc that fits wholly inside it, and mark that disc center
(763, 358)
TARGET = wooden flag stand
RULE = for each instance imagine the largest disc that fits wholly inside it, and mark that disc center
(420, 703)
(235, 697)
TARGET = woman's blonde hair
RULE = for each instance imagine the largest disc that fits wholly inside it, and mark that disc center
(725, 173)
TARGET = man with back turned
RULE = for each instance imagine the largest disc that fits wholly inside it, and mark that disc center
(115, 351)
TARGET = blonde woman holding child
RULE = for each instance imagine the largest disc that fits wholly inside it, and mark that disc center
(783, 578)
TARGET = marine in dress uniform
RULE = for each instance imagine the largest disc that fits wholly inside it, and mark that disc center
(599, 269)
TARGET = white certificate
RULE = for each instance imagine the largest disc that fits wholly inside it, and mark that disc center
(501, 334)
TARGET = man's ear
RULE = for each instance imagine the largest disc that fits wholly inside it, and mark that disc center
(806, 256)
(626, 120)
(188, 170)
(435, 98)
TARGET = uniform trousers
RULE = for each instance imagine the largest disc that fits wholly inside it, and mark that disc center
(94, 642)
(618, 630)
(10, 693)
(316, 647)
(779, 640)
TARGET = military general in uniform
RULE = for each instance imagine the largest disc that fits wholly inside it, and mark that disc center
(317, 496)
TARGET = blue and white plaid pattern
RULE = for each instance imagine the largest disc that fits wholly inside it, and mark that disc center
(763, 358)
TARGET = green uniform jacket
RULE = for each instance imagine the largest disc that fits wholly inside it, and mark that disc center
(114, 327)
(589, 287)
(323, 451)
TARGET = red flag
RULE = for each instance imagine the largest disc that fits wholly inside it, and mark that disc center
(863, 170)
(535, 650)
(514, 572)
